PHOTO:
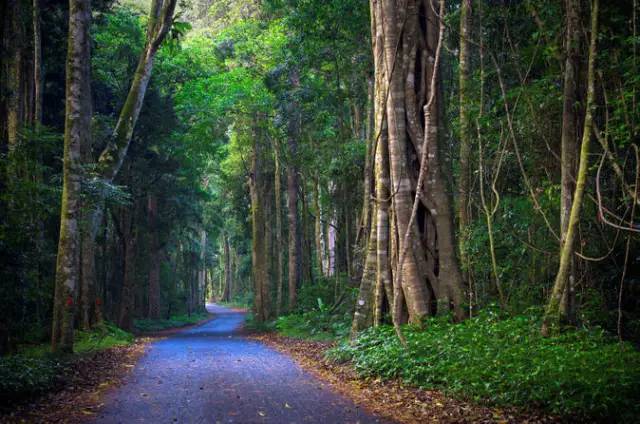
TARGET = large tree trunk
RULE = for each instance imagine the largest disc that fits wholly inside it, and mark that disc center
(278, 210)
(412, 284)
(416, 250)
(77, 133)
(259, 238)
(292, 197)
(552, 313)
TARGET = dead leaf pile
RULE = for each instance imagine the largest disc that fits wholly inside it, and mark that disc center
(392, 399)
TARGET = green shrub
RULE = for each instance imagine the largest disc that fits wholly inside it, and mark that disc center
(316, 324)
(22, 376)
(152, 325)
(582, 373)
(36, 370)
(101, 337)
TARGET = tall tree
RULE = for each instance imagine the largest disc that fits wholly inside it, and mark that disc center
(567, 251)
(77, 134)
(259, 239)
(569, 139)
(155, 254)
(416, 249)
(464, 183)
(112, 157)
(295, 243)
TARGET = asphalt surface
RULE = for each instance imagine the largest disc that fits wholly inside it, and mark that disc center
(210, 374)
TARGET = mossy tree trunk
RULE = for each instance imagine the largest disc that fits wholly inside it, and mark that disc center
(464, 180)
(567, 251)
(77, 134)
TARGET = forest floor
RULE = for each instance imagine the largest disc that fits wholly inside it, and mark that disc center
(392, 399)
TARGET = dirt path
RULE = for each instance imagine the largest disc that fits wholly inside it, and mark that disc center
(209, 374)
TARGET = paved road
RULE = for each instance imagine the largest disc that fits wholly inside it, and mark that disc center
(208, 374)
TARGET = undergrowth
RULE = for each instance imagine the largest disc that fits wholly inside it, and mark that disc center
(314, 325)
(34, 369)
(504, 361)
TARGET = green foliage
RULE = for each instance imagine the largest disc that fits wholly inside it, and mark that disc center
(101, 337)
(320, 324)
(22, 376)
(151, 325)
(580, 373)
(36, 370)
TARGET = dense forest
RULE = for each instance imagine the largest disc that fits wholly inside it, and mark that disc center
(448, 190)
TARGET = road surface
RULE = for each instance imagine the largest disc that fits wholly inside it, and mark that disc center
(210, 374)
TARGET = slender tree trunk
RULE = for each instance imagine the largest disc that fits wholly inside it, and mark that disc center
(319, 237)
(569, 140)
(227, 269)
(366, 214)
(127, 297)
(154, 258)
(552, 313)
(38, 80)
(77, 133)
(202, 262)
(279, 246)
(464, 183)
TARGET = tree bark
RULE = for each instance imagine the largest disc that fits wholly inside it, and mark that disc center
(259, 239)
(77, 133)
(552, 312)
(365, 306)
(154, 258)
(319, 237)
(464, 183)
(569, 139)
(227, 269)
(127, 296)
(38, 80)
(278, 209)
(292, 197)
